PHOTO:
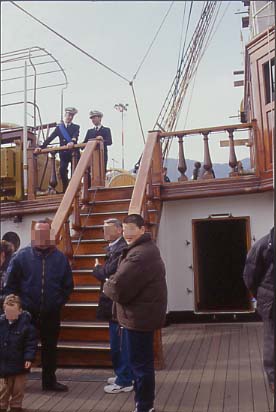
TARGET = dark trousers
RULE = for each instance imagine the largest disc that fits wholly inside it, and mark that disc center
(119, 355)
(141, 357)
(48, 325)
(65, 159)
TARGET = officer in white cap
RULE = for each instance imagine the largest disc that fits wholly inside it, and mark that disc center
(99, 130)
(68, 134)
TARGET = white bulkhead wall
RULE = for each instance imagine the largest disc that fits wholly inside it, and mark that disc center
(23, 229)
(176, 227)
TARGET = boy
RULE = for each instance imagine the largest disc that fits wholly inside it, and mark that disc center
(17, 351)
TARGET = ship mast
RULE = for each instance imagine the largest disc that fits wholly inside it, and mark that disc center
(170, 111)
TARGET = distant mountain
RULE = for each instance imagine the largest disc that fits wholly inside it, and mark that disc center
(220, 169)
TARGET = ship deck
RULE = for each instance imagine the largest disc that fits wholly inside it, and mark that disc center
(209, 368)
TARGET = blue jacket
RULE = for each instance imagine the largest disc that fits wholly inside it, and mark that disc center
(73, 131)
(18, 344)
(43, 281)
(103, 131)
(103, 272)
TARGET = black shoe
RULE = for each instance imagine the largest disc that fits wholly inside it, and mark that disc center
(55, 387)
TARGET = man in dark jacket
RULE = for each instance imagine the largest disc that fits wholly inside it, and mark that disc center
(99, 130)
(139, 291)
(68, 134)
(41, 275)
(122, 382)
(17, 352)
(258, 277)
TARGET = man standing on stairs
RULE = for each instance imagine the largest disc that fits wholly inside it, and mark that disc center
(42, 277)
(139, 291)
(122, 382)
(99, 130)
(68, 134)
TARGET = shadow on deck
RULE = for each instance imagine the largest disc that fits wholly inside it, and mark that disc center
(209, 368)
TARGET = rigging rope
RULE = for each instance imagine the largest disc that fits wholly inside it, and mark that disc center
(137, 110)
(150, 46)
(70, 42)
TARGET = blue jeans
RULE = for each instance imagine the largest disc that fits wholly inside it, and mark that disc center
(119, 355)
(141, 357)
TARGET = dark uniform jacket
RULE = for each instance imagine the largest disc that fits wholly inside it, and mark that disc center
(258, 274)
(73, 131)
(103, 272)
(139, 286)
(43, 280)
(18, 344)
(104, 132)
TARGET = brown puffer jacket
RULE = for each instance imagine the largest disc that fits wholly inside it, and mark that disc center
(139, 287)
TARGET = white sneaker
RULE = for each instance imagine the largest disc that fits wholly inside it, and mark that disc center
(117, 389)
(151, 410)
(111, 380)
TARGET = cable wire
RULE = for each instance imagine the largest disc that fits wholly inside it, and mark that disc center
(137, 110)
(70, 42)
(151, 44)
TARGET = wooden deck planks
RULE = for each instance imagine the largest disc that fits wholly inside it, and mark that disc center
(209, 368)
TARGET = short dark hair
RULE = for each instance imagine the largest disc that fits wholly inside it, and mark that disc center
(136, 219)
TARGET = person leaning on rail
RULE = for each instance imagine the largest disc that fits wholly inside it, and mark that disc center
(99, 130)
(68, 134)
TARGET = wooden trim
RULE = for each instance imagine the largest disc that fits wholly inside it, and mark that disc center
(65, 206)
(216, 187)
(206, 130)
(139, 190)
(61, 148)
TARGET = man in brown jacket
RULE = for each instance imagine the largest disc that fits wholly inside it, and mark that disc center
(139, 291)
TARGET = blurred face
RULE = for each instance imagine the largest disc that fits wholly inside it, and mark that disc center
(12, 312)
(112, 232)
(96, 120)
(131, 232)
(42, 236)
(68, 117)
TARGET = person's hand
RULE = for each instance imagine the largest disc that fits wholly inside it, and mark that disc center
(70, 145)
(96, 262)
(37, 150)
(27, 365)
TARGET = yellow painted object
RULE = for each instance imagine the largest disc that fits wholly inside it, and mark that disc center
(11, 180)
(8, 163)
(122, 179)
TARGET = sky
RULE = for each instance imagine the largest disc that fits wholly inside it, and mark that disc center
(118, 33)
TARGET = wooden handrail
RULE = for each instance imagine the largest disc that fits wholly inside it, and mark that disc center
(206, 130)
(60, 148)
(137, 199)
(64, 209)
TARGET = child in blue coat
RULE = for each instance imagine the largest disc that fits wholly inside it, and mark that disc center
(18, 344)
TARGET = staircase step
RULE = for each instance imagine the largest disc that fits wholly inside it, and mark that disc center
(85, 293)
(84, 277)
(87, 261)
(99, 218)
(89, 246)
(92, 232)
(113, 193)
(84, 331)
(107, 205)
(78, 312)
(76, 353)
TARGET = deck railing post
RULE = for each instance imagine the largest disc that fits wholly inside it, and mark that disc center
(233, 163)
(208, 174)
(182, 167)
